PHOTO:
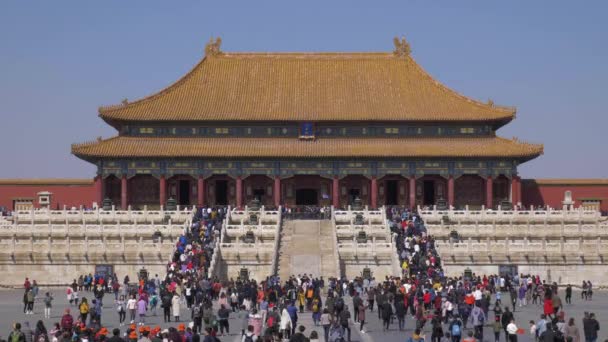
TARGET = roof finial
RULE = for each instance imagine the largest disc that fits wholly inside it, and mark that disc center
(213, 47)
(402, 47)
(125, 101)
(490, 102)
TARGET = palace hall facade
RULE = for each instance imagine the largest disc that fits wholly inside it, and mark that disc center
(307, 129)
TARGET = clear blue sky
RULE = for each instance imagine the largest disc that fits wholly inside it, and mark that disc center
(61, 60)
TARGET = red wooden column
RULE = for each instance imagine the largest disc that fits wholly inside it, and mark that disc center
(515, 190)
(99, 190)
(239, 192)
(335, 193)
(374, 192)
(163, 190)
(277, 191)
(412, 192)
(451, 191)
(200, 191)
(489, 193)
(123, 193)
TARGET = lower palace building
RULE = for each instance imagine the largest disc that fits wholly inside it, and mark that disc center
(307, 129)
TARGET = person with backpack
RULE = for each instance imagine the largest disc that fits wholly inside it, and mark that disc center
(249, 336)
(455, 329)
(344, 319)
(40, 333)
(67, 321)
(197, 317)
(16, 335)
(166, 305)
(416, 336)
(478, 319)
(316, 310)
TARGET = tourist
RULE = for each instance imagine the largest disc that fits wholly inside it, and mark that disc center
(29, 297)
(361, 315)
(120, 308)
(497, 328)
(286, 323)
(507, 317)
(325, 321)
(584, 290)
(299, 336)
(455, 329)
(512, 331)
(16, 334)
(416, 336)
(67, 321)
(533, 330)
(132, 308)
(590, 327)
(175, 306)
(48, 303)
(166, 305)
(142, 307)
(571, 330)
(314, 336)
(568, 297)
(478, 319)
(83, 308)
(223, 314)
(248, 336)
(27, 331)
(40, 333)
(116, 336)
(197, 318)
(470, 337)
(336, 332)
(344, 319)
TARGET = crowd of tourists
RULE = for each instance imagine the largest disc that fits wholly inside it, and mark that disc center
(446, 308)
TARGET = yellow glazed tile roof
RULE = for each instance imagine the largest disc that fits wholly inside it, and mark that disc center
(123, 146)
(307, 87)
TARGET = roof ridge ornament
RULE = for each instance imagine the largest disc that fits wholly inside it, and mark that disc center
(402, 47)
(213, 47)
(491, 103)
(125, 101)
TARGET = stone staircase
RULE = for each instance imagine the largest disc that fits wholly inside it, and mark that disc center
(307, 247)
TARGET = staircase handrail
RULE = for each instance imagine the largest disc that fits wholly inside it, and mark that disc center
(277, 235)
(334, 234)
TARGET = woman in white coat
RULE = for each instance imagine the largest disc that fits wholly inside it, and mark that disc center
(286, 323)
(175, 307)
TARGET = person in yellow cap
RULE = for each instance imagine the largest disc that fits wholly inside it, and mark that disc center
(144, 335)
(133, 336)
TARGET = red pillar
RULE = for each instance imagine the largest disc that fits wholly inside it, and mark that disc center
(200, 191)
(335, 193)
(99, 190)
(277, 191)
(489, 193)
(374, 192)
(451, 191)
(239, 192)
(123, 193)
(515, 190)
(413, 192)
(163, 190)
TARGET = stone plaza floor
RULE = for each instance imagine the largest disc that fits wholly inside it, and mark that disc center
(11, 310)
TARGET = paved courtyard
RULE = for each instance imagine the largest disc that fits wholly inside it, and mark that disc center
(11, 310)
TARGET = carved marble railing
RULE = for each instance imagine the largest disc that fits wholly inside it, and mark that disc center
(543, 216)
(98, 215)
(543, 247)
(367, 250)
(334, 235)
(275, 248)
(215, 257)
(529, 229)
(265, 216)
(369, 216)
(375, 230)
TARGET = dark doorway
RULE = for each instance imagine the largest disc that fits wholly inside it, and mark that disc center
(258, 194)
(429, 192)
(184, 192)
(353, 194)
(306, 197)
(392, 187)
(221, 192)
